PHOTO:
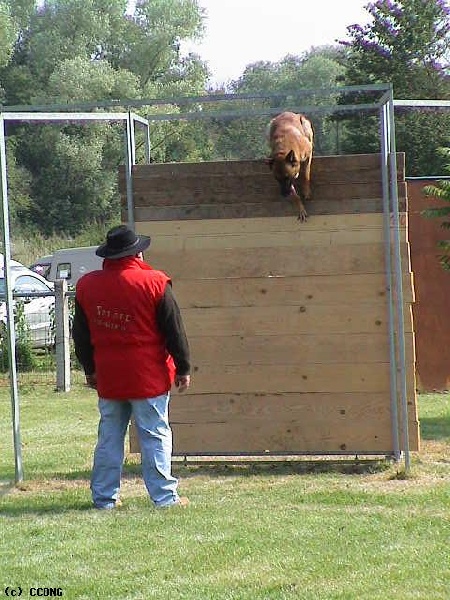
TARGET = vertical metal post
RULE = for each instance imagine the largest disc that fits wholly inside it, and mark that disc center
(14, 391)
(147, 143)
(129, 162)
(398, 281)
(62, 341)
(388, 261)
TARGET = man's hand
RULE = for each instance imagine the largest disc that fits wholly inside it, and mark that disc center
(182, 382)
(91, 381)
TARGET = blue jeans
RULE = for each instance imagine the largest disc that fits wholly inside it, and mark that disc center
(155, 438)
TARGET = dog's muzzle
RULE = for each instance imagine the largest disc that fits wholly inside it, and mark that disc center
(286, 187)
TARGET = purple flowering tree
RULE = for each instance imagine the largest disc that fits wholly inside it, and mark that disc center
(406, 43)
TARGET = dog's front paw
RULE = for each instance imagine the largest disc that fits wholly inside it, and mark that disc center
(302, 216)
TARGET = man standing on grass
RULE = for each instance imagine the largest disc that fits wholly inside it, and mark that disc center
(130, 340)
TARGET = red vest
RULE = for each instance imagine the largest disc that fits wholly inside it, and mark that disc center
(131, 360)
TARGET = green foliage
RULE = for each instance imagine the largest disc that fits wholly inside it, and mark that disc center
(25, 357)
(441, 192)
(407, 43)
(7, 33)
(320, 68)
(63, 178)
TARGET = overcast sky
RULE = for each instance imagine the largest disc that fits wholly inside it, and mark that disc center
(240, 32)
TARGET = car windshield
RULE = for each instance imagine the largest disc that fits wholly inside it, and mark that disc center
(25, 283)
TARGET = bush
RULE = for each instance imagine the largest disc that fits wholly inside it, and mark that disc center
(25, 358)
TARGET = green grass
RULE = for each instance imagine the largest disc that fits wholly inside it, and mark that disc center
(257, 531)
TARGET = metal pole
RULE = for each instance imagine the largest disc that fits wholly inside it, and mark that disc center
(147, 143)
(388, 261)
(129, 162)
(398, 283)
(14, 391)
(62, 341)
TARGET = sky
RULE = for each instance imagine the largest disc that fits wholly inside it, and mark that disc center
(241, 32)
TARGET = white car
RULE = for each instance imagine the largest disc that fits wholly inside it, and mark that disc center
(39, 305)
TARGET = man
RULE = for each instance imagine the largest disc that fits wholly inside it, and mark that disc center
(130, 340)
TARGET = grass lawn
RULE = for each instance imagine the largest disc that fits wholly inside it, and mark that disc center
(252, 532)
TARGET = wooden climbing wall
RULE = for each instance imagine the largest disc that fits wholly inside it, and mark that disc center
(287, 321)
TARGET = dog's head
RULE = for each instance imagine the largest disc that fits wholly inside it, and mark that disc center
(285, 169)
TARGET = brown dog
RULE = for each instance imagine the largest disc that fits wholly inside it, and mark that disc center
(290, 137)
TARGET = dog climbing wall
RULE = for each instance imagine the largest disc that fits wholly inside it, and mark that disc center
(287, 321)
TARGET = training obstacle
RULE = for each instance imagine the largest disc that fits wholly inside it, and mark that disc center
(287, 321)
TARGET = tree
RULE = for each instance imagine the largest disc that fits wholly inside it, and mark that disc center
(407, 43)
(72, 51)
(319, 68)
(7, 34)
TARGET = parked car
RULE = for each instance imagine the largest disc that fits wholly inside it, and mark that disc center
(68, 263)
(72, 263)
(42, 265)
(38, 306)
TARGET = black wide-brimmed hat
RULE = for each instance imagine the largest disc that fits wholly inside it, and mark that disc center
(122, 241)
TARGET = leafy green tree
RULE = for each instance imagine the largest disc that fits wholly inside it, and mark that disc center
(7, 34)
(69, 52)
(319, 68)
(407, 43)
(150, 42)
(441, 191)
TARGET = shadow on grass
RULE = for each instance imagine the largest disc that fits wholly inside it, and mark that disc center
(248, 468)
(61, 493)
(44, 504)
(233, 466)
(435, 428)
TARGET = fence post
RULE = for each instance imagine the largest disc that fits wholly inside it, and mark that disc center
(62, 336)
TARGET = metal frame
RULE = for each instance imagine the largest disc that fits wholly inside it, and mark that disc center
(383, 107)
(130, 120)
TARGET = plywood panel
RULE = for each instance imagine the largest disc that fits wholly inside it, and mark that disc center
(431, 310)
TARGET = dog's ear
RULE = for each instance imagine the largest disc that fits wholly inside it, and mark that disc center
(290, 157)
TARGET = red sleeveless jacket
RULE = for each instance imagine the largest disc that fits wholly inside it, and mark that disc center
(119, 302)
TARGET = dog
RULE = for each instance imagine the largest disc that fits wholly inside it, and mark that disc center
(290, 138)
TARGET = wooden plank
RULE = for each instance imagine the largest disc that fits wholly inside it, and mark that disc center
(302, 378)
(306, 423)
(246, 227)
(285, 291)
(335, 167)
(293, 349)
(188, 191)
(273, 262)
(227, 189)
(308, 318)
(299, 238)
(260, 208)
